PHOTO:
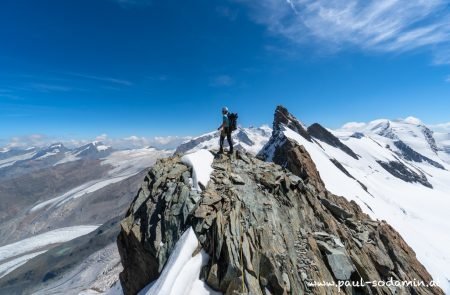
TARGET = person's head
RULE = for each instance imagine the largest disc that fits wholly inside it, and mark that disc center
(224, 110)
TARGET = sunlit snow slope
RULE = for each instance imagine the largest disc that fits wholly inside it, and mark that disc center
(399, 172)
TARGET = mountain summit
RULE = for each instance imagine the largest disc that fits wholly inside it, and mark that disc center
(255, 227)
(395, 170)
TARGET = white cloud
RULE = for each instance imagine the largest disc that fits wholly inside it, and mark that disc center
(169, 141)
(101, 137)
(43, 87)
(412, 120)
(222, 80)
(102, 79)
(443, 127)
(353, 125)
(133, 141)
(374, 25)
(33, 140)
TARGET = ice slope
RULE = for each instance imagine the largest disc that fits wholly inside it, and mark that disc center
(97, 274)
(76, 202)
(12, 160)
(80, 191)
(11, 265)
(42, 240)
(419, 213)
(124, 165)
(16, 254)
(181, 273)
(200, 162)
(133, 161)
(95, 149)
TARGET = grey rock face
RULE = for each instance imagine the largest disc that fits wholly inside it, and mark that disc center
(400, 170)
(317, 131)
(54, 149)
(90, 151)
(430, 138)
(284, 118)
(267, 231)
(411, 155)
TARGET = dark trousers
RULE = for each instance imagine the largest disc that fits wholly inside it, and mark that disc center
(226, 132)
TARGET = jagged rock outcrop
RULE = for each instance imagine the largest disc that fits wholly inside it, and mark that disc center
(286, 152)
(409, 154)
(318, 131)
(401, 171)
(267, 231)
(283, 117)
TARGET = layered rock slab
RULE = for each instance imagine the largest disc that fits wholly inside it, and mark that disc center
(267, 231)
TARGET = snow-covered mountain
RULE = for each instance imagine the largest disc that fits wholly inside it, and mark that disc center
(251, 139)
(203, 223)
(410, 131)
(24, 160)
(59, 209)
(95, 148)
(9, 157)
(395, 170)
(53, 150)
(60, 206)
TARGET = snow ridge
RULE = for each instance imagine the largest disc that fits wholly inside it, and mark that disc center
(182, 270)
(400, 176)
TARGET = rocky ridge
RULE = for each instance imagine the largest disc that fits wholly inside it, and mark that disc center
(267, 230)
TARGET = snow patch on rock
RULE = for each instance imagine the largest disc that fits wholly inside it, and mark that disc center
(181, 273)
(200, 162)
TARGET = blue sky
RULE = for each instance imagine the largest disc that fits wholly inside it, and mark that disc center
(77, 69)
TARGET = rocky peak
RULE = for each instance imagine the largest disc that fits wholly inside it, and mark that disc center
(287, 153)
(52, 150)
(282, 117)
(265, 229)
(318, 131)
(93, 149)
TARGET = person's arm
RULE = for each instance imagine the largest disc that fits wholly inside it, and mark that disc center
(223, 122)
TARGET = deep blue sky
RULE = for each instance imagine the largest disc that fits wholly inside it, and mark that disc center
(80, 68)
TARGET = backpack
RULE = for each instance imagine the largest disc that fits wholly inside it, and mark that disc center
(232, 118)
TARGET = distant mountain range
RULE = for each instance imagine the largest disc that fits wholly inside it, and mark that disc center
(59, 209)
(249, 139)
(64, 204)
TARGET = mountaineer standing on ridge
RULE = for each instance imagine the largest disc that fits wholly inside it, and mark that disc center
(225, 131)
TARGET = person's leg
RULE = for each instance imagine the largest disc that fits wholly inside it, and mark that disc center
(221, 140)
(230, 140)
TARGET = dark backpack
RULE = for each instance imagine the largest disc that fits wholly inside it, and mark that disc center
(232, 119)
